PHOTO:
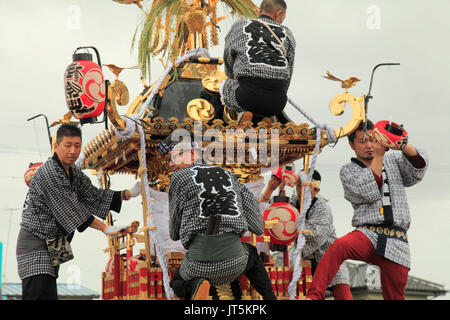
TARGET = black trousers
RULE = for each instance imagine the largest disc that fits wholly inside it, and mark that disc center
(254, 271)
(39, 287)
(257, 275)
(263, 97)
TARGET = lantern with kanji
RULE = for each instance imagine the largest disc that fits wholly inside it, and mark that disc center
(285, 230)
(30, 172)
(84, 87)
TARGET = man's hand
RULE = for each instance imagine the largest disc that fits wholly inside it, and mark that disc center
(298, 188)
(133, 192)
(273, 183)
(136, 190)
(114, 231)
(410, 151)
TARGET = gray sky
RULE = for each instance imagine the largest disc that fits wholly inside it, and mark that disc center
(347, 38)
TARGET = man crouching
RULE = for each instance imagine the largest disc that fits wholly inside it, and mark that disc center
(209, 211)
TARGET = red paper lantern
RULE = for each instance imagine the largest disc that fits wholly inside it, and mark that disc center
(285, 231)
(390, 134)
(84, 87)
(30, 172)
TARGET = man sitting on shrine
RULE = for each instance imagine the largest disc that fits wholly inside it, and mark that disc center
(259, 61)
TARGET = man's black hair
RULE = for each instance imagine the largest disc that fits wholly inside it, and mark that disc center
(316, 176)
(272, 5)
(67, 130)
(351, 137)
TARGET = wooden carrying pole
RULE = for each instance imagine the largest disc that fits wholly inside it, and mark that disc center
(113, 250)
(145, 212)
(306, 170)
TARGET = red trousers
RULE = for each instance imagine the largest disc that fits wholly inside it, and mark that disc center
(341, 291)
(356, 246)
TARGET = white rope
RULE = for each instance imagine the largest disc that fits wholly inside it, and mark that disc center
(329, 131)
(296, 255)
(130, 128)
(127, 133)
(80, 161)
(162, 258)
(199, 52)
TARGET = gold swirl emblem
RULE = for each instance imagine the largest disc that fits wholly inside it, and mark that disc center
(211, 83)
(200, 110)
(358, 112)
(122, 95)
(229, 115)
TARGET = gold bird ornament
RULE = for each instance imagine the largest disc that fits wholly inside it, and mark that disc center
(346, 84)
(117, 70)
(65, 119)
(122, 95)
(136, 2)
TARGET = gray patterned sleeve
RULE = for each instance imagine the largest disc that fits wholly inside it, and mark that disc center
(320, 223)
(229, 57)
(64, 205)
(290, 56)
(97, 201)
(176, 199)
(250, 207)
(228, 54)
(410, 174)
(359, 184)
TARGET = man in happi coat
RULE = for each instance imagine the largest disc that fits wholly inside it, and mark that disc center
(61, 199)
(374, 182)
(259, 61)
(319, 220)
(209, 211)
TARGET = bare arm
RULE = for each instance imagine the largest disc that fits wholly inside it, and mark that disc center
(410, 151)
(377, 162)
(97, 225)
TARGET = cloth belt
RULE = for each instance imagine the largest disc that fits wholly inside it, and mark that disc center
(387, 231)
(28, 242)
(215, 247)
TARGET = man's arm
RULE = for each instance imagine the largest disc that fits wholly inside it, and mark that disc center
(273, 183)
(228, 54)
(176, 201)
(413, 164)
(321, 225)
(290, 56)
(377, 162)
(250, 206)
(359, 184)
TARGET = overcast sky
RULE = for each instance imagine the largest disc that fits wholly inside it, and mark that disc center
(347, 38)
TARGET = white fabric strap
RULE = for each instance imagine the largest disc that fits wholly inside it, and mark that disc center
(276, 37)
